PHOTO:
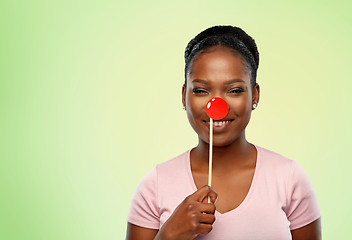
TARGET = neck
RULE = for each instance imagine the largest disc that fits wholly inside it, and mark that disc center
(234, 154)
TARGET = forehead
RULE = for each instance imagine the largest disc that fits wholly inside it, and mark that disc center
(218, 63)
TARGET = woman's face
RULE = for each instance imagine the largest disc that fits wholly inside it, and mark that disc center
(219, 72)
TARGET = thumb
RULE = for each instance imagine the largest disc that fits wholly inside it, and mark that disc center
(210, 193)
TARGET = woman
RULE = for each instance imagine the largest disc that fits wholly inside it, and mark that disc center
(256, 194)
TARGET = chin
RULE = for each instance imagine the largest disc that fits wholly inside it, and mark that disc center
(219, 141)
(227, 140)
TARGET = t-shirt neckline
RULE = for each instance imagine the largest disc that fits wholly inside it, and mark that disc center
(248, 197)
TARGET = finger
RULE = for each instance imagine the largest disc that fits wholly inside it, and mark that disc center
(206, 218)
(211, 197)
(208, 208)
(204, 229)
(203, 193)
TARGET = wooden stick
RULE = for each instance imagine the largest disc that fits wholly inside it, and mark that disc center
(210, 154)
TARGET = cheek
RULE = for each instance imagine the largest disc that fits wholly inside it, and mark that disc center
(195, 105)
(242, 106)
(194, 110)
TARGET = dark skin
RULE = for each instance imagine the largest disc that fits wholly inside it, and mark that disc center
(217, 72)
(193, 217)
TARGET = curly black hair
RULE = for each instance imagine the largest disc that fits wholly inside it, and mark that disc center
(228, 36)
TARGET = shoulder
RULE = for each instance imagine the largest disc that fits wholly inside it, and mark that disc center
(146, 208)
(301, 205)
(174, 168)
(173, 163)
(168, 167)
(278, 162)
(174, 173)
(284, 170)
(165, 173)
(274, 160)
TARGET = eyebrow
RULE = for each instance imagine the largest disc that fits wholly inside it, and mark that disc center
(200, 81)
(228, 82)
(231, 81)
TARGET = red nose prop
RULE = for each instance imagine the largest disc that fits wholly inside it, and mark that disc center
(217, 108)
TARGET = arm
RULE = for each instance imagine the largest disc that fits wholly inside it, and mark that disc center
(311, 231)
(302, 207)
(135, 232)
(193, 217)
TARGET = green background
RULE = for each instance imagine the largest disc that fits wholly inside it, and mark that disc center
(90, 100)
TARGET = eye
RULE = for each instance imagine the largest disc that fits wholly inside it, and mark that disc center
(199, 91)
(236, 91)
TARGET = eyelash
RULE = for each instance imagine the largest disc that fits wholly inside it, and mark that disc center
(199, 91)
(233, 91)
(237, 90)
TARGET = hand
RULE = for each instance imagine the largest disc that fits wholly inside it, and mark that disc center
(193, 217)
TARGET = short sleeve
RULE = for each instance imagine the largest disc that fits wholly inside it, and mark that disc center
(144, 210)
(302, 205)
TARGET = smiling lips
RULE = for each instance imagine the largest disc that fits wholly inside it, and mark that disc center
(218, 123)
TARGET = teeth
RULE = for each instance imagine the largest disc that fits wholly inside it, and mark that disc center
(219, 123)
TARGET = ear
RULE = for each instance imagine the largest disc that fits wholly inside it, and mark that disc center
(256, 95)
(184, 95)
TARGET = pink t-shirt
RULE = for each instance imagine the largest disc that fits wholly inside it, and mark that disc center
(281, 198)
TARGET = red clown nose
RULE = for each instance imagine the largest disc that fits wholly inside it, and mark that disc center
(217, 108)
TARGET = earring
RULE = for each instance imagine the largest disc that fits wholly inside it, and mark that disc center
(184, 109)
(254, 106)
